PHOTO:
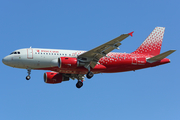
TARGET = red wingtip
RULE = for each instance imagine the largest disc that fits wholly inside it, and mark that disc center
(131, 33)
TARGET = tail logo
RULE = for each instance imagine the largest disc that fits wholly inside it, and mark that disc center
(152, 44)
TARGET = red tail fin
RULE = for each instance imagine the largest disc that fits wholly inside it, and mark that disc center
(152, 44)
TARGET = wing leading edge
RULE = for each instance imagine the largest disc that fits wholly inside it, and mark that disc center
(95, 54)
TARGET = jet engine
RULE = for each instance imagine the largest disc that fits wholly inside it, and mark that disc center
(67, 62)
(54, 77)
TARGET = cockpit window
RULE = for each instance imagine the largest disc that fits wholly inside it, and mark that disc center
(15, 52)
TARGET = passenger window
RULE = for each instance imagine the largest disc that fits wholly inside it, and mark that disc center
(57, 54)
(46, 53)
(54, 53)
(15, 52)
(18, 52)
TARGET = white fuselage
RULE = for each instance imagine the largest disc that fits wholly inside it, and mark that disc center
(35, 58)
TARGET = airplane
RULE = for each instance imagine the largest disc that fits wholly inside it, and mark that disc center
(75, 64)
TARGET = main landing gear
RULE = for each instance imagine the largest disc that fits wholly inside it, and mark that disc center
(79, 84)
(28, 76)
(89, 75)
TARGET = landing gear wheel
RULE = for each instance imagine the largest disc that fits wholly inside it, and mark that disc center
(28, 77)
(79, 84)
(29, 72)
(89, 74)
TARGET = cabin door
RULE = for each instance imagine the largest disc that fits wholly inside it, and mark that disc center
(134, 60)
(30, 53)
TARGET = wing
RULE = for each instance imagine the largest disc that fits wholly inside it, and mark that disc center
(93, 56)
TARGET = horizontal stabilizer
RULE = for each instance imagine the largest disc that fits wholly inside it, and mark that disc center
(160, 56)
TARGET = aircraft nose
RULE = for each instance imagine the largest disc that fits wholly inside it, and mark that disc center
(5, 60)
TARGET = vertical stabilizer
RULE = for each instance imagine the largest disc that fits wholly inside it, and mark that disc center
(152, 44)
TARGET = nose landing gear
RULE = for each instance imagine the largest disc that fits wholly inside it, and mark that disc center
(28, 76)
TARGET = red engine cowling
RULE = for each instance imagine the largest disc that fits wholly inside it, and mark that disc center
(67, 62)
(54, 77)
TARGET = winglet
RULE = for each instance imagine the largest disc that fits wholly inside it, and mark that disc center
(131, 33)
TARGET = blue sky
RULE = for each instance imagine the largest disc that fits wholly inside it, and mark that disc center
(148, 94)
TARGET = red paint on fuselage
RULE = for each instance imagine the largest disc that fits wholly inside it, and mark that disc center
(114, 62)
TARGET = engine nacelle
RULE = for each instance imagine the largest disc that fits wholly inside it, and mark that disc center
(54, 77)
(67, 62)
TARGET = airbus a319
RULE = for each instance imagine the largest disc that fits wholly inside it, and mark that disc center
(73, 64)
